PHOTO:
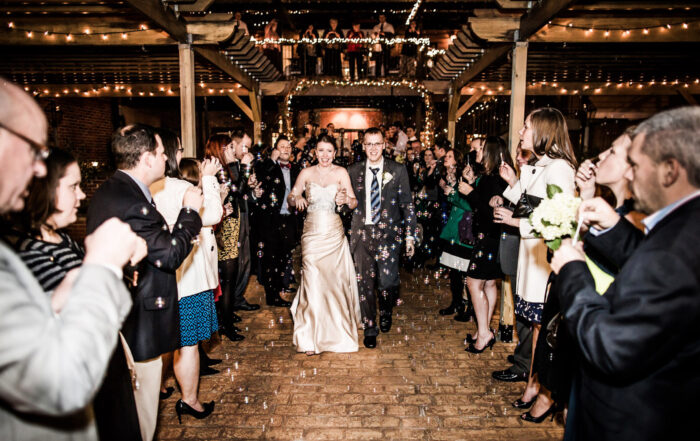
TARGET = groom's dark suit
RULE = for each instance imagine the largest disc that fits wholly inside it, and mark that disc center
(640, 342)
(376, 248)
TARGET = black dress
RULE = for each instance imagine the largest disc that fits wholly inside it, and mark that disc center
(484, 263)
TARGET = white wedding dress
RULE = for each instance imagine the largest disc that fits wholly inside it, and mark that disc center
(326, 309)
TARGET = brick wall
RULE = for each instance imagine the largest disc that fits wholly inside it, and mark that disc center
(83, 126)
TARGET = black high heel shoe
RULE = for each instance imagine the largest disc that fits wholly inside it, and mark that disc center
(527, 416)
(469, 339)
(520, 404)
(183, 408)
(471, 348)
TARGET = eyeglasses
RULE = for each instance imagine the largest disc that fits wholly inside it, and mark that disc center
(374, 144)
(41, 152)
(181, 150)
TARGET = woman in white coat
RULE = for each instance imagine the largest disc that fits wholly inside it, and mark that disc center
(545, 134)
(197, 277)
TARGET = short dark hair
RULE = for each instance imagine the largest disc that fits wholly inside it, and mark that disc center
(237, 134)
(170, 146)
(281, 138)
(130, 142)
(374, 131)
(41, 202)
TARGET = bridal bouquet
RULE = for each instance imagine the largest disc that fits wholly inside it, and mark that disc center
(555, 217)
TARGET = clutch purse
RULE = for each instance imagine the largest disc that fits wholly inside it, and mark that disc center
(526, 205)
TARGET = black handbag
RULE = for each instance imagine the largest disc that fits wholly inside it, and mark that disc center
(526, 205)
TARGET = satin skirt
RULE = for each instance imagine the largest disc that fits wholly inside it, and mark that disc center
(326, 309)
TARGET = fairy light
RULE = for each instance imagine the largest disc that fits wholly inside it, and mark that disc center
(413, 12)
(30, 34)
(87, 31)
(11, 25)
(69, 37)
(645, 31)
(420, 42)
(124, 36)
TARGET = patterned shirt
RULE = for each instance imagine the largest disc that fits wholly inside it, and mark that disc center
(49, 262)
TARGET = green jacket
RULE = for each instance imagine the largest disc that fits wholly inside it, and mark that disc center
(460, 205)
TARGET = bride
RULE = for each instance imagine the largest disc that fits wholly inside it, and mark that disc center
(326, 309)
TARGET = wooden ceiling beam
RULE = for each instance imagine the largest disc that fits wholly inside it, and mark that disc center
(219, 60)
(529, 24)
(163, 17)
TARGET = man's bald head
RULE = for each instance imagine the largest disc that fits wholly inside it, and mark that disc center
(20, 117)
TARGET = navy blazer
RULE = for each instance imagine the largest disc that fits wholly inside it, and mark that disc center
(640, 342)
(153, 325)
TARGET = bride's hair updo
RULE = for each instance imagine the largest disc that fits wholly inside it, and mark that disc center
(327, 139)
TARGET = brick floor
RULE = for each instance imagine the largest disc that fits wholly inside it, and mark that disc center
(418, 384)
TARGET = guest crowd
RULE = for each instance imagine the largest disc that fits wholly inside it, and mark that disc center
(606, 325)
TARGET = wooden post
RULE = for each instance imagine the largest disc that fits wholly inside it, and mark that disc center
(452, 107)
(518, 85)
(256, 108)
(188, 125)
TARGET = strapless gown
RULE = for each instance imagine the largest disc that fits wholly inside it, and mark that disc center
(326, 309)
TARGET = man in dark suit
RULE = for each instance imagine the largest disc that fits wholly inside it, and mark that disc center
(153, 325)
(278, 221)
(384, 216)
(640, 341)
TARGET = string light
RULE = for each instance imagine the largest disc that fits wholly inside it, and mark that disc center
(87, 32)
(420, 42)
(626, 31)
(414, 11)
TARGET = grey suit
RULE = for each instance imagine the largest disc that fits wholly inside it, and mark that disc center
(52, 365)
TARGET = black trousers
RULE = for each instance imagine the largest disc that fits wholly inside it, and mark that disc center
(228, 275)
(278, 241)
(382, 62)
(355, 60)
(377, 267)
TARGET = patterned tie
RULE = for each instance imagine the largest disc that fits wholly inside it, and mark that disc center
(374, 196)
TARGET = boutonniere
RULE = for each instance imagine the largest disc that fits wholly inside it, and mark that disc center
(386, 177)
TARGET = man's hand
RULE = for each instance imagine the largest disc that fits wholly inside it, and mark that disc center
(114, 244)
(193, 198)
(140, 251)
(410, 247)
(567, 252)
(60, 295)
(585, 179)
(274, 154)
(598, 214)
(247, 158)
(258, 191)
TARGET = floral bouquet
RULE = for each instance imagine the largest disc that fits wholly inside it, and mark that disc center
(555, 217)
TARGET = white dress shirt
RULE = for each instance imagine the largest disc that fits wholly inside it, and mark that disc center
(369, 177)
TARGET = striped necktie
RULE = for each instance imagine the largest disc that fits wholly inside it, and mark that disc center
(375, 198)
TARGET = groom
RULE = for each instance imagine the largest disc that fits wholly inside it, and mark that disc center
(383, 218)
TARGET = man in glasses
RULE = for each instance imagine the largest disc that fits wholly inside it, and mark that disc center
(52, 362)
(383, 219)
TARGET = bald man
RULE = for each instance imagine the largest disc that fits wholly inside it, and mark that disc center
(52, 362)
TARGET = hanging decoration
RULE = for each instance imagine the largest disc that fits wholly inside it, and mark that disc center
(74, 36)
(427, 132)
(422, 43)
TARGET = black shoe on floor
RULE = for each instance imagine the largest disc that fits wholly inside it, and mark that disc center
(245, 306)
(232, 335)
(204, 359)
(290, 290)
(183, 408)
(206, 370)
(509, 376)
(280, 302)
(370, 341)
(448, 311)
(235, 318)
(168, 391)
(385, 323)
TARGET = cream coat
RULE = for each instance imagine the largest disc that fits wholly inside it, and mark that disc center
(199, 271)
(533, 268)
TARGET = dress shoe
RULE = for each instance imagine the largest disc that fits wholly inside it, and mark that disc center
(206, 370)
(473, 349)
(204, 359)
(183, 408)
(290, 290)
(385, 323)
(245, 306)
(520, 404)
(168, 391)
(370, 341)
(449, 310)
(511, 359)
(235, 318)
(232, 335)
(280, 302)
(527, 416)
(509, 376)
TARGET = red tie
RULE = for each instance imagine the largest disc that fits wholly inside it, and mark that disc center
(287, 165)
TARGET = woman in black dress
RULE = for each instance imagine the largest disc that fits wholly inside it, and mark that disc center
(484, 268)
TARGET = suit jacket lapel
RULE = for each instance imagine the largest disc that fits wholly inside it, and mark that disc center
(360, 183)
